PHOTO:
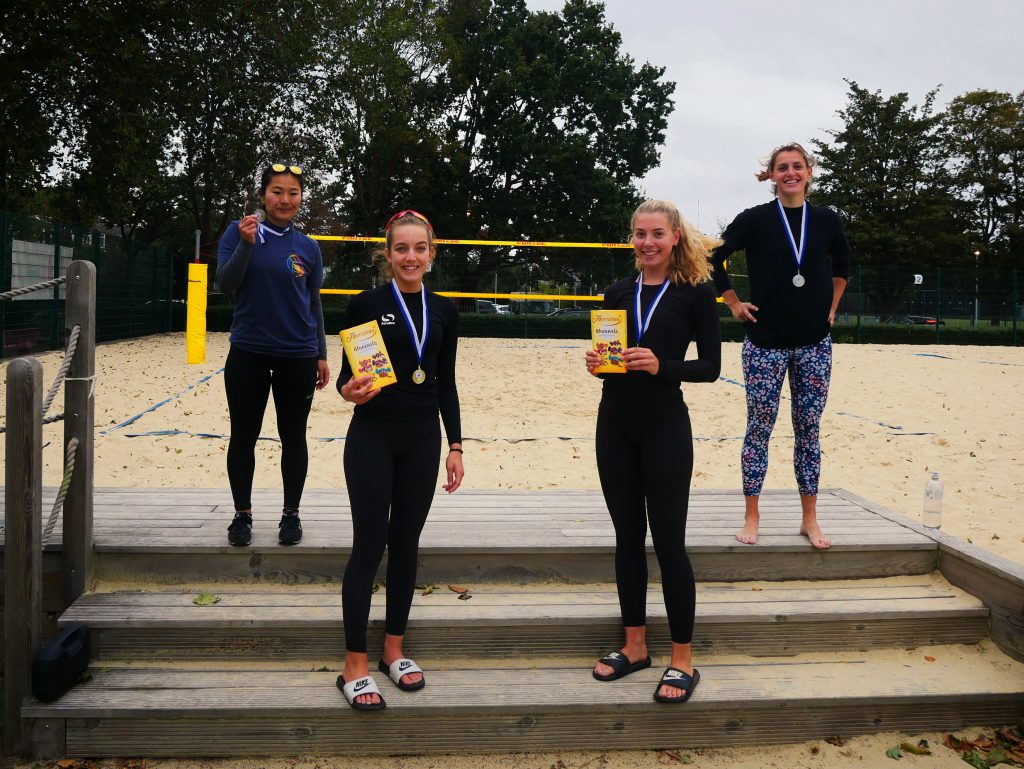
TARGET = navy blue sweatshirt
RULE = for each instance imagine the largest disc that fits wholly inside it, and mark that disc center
(276, 287)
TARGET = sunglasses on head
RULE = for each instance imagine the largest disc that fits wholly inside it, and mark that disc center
(400, 214)
(280, 168)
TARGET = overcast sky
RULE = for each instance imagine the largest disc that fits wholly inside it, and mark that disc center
(751, 75)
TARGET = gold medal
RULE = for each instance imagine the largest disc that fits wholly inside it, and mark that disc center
(419, 376)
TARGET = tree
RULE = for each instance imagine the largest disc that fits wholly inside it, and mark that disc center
(885, 172)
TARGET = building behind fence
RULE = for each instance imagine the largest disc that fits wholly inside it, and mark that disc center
(133, 283)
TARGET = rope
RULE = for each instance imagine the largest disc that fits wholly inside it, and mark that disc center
(65, 484)
(46, 421)
(29, 289)
(63, 371)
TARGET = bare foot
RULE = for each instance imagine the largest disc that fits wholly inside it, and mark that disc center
(816, 536)
(748, 534)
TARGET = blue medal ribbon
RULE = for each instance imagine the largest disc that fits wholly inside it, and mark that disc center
(418, 341)
(263, 230)
(798, 249)
(643, 323)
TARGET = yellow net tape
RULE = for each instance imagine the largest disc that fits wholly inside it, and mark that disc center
(451, 242)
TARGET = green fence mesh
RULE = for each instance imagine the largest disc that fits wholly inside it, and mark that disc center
(133, 283)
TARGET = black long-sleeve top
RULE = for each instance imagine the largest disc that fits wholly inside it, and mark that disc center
(787, 316)
(685, 313)
(405, 400)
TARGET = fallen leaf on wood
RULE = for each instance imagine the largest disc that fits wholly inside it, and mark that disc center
(836, 740)
(458, 589)
(465, 596)
(815, 750)
(206, 599)
(428, 590)
(929, 659)
(895, 753)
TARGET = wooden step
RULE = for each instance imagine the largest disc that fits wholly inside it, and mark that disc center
(527, 622)
(168, 712)
(179, 536)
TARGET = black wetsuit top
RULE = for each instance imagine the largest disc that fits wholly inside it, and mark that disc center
(787, 316)
(685, 313)
(405, 400)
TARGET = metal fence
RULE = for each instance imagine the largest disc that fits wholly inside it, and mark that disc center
(133, 283)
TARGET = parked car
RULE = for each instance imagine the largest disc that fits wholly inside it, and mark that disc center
(918, 320)
(566, 312)
(487, 307)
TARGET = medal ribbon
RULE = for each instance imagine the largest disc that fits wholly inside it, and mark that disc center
(419, 342)
(643, 323)
(798, 250)
(263, 230)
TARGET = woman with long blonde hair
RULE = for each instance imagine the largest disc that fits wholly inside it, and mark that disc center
(644, 441)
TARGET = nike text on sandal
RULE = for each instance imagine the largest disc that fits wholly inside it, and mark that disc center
(403, 667)
(359, 687)
(621, 666)
(677, 679)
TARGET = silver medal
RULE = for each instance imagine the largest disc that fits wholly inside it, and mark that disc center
(799, 280)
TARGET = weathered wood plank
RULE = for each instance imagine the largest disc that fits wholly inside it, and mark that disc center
(649, 729)
(23, 557)
(997, 581)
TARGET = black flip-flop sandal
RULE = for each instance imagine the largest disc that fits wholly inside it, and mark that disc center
(360, 686)
(677, 679)
(403, 667)
(621, 666)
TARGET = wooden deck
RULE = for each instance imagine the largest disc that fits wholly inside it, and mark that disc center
(792, 643)
(179, 535)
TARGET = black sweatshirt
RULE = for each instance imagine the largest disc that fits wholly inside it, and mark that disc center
(406, 400)
(684, 313)
(787, 316)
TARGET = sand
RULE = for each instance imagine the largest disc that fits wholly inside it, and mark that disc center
(895, 414)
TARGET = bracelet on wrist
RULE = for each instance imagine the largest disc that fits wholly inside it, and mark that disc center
(452, 448)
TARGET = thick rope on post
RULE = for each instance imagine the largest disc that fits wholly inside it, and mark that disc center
(8, 295)
(65, 484)
(69, 354)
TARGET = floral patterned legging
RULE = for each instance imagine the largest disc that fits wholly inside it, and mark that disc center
(764, 368)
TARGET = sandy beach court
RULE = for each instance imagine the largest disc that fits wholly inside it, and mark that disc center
(895, 414)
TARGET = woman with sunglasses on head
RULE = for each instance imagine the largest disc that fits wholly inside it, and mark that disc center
(278, 345)
(643, 439)
(798, 263)
(393, 450)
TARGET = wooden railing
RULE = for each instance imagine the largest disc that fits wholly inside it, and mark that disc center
(23, 478)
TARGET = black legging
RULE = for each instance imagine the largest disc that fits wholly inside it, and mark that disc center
(248, 380)
(649, 457)
(389, 466)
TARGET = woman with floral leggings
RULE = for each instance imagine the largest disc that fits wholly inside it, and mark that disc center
(798, 265)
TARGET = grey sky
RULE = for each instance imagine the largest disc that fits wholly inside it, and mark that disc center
(751, 75)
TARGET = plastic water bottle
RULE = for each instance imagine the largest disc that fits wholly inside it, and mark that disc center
(932, 517)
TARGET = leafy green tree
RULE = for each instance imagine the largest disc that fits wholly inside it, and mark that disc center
(885, 172)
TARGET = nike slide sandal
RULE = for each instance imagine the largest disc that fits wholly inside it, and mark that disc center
(358, 687)
(621, 666)
(677, 679)
(403, 667)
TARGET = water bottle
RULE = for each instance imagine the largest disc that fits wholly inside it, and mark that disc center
(932, 516)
